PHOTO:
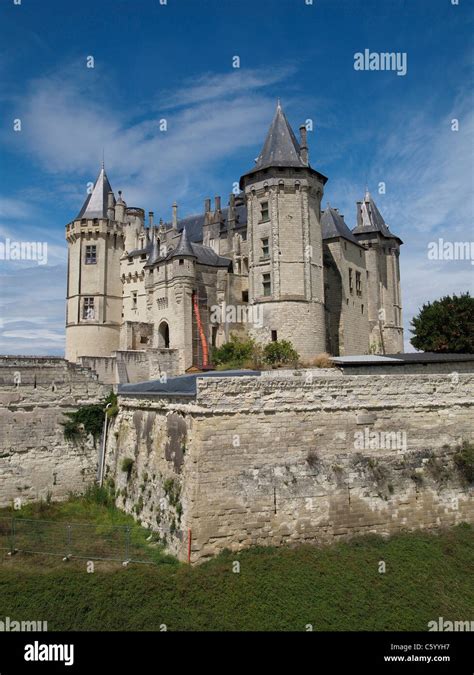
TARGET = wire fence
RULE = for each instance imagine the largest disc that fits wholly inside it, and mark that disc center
(120, 543)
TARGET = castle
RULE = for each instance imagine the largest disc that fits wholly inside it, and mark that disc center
(299, 273)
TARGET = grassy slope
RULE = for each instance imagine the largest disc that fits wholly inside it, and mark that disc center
(332, 588)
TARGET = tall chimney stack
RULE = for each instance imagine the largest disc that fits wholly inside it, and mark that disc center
(304, 144)
(150, 218)
(175, 215)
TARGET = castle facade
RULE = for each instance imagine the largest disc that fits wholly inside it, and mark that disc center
(285, 268)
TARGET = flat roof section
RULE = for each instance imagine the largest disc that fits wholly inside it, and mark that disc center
(182, 385)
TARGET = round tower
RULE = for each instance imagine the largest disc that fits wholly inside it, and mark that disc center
(286, 283)
(94, 293)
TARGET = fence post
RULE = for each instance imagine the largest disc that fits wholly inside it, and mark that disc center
(69, 541)
(12, 537)
(127, 543)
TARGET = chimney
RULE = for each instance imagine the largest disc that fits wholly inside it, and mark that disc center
(231, 216)
(120, 208)
(110, 206)
(207, 205)
(304, 144)
(217, 202)
(175, 215)
(150, 218)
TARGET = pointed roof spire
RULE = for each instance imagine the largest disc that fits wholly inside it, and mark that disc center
(95, 205)
(281, 147)
(369, 218)
(184, 246)
(153, 250)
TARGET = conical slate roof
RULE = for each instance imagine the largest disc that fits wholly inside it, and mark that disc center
(369, 219)
(281, 147)
(95, 205)
(184, 247)
(333, 225)
(153, 250)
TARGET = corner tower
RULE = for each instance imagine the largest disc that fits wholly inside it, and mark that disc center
(383, 278)
(283, 194)
(94, 293)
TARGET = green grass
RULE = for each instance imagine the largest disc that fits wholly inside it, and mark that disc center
(98, 529)
(337, 587)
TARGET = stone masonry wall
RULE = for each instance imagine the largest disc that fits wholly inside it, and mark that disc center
(35, 458)
(290, 458)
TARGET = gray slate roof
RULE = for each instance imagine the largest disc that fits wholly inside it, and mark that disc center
(95, 205)
(369, 219)
(281, 147)
(333, 225)
(184, 246)
(183, 385)
(400, 359)
(194, 224)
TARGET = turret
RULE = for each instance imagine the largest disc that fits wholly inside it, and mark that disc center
(283, 194)
(383, 277)
(94, 293)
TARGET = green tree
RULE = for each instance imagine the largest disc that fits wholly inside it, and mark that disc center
(445, 325)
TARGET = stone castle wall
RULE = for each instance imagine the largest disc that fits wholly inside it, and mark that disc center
(287, 458)
(35, 459)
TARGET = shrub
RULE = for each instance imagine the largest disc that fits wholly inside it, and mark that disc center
(233, 354)
(280, 353)
(113, 410)
(323, 360)
(464, 461)
(127, 465)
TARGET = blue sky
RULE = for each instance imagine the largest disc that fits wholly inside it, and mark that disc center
(174, 61)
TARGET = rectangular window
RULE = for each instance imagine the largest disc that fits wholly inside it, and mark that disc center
(265, 248)
(351, 281)
(245, 296)
(91, 255)
(134, 299)
(274, 336)
(267, 285)
(88, 309)
(358, 284)
(265, 214)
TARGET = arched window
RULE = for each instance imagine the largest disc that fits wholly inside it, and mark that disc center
(163, 336)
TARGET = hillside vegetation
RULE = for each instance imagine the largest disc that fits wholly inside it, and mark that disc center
(332, 588)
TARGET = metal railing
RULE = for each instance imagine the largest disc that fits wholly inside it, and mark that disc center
(87, 541)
